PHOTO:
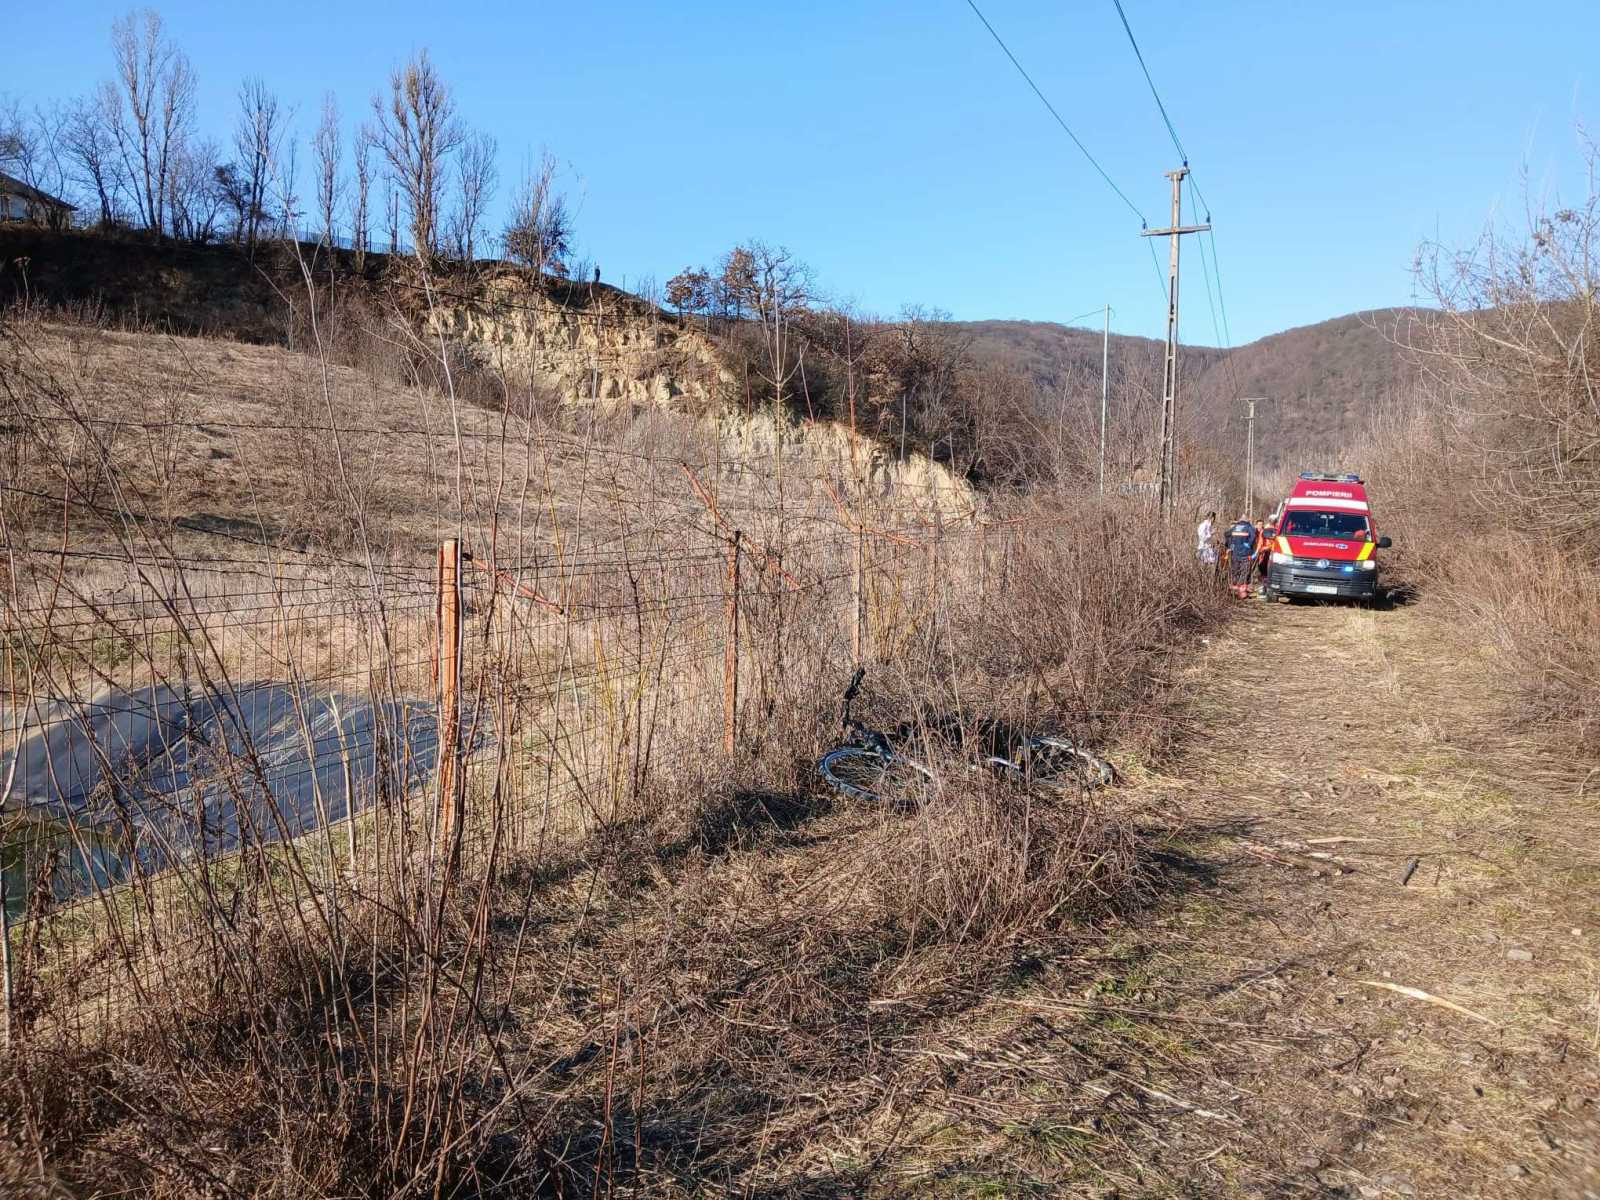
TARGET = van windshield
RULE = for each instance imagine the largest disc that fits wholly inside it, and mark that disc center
(1310, 522)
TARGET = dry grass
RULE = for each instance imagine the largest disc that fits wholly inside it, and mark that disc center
(1489, 473)
(650, 966)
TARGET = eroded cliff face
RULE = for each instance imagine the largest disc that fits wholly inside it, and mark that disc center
(865, 474)
(586, 343)
(597, 344)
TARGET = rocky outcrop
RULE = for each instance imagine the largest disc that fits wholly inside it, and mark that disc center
(597, 344)
(866, 473)
(585, 342)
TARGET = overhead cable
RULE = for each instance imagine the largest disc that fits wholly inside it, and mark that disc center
(1067, 129)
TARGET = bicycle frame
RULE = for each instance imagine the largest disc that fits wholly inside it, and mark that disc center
(857, 734)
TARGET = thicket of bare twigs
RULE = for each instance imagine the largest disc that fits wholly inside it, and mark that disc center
(642, 962)
(1490, 476)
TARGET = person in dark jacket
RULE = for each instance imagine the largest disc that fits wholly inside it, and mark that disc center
(1242, 538)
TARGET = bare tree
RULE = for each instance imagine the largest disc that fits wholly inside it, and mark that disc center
(90, 147)
(476, 177)
(283, 183)
(736, 281)
(776, 286)
(418, 132)
(30, 144)
(391, 200)
(1510, 358)
(539, 233)
(233, 194)
(328, 146)
(924, 358)
(255, 144)
(848, 339)
(12, 135)
(360, 205)
(155, 108)
(195, 198)
(689, 291)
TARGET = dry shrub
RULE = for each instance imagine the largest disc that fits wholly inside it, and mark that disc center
(1542, 613)
(1488, 476)
(985, 861)
(1088, 611)
(647, 974)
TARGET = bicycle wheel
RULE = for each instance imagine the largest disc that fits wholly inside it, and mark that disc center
(869, 775)
(1059, 765)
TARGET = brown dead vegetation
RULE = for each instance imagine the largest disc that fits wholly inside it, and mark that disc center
(653, 967)
(1490, 471)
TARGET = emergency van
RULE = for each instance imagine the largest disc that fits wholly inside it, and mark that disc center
(1324, 542)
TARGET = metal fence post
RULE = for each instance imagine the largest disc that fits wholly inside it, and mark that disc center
(5, 962)
(858, 592)
(983, 563)
(448, 752)
(730, 654)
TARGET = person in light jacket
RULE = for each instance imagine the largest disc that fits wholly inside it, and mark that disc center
(1204, 551)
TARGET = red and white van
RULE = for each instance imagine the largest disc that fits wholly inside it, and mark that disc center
(1324, 540)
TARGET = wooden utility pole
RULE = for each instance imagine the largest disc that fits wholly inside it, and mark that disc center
(1250, 454)
(448, 751)
(1168, 497)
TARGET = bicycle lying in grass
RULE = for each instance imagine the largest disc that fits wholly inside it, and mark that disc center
(869, 766)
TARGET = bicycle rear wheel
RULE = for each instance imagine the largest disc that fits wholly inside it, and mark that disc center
(869, 775)
(1060, 765)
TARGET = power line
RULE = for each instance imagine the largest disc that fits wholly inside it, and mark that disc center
(1095, 311)
(1205, 272)
(1137, 53)
(1166, 119)
(1155, 265)
(1067, 129)
(1222, 304)
(1214, 266)
(1225, 336)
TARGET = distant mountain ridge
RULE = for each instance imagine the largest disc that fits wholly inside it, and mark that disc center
(1322, 383)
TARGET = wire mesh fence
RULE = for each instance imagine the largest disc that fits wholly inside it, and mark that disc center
(195, 745)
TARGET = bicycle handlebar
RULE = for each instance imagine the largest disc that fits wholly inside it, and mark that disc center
(850, 695)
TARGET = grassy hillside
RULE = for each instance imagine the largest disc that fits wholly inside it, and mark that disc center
(1323, 381)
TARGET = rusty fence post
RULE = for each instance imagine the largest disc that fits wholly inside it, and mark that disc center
(448, 752)
(730, 654)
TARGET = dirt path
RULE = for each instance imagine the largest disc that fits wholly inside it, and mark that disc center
(1386, 727)
(1248, 1039)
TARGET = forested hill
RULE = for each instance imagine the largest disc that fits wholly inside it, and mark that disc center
(1323, 382)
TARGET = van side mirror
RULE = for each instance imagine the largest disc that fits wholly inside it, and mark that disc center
(1269, 531)
(1384, 543)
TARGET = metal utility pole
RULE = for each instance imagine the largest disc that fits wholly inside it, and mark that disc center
(1169, 383)
(1105, 355)
(1250, 453)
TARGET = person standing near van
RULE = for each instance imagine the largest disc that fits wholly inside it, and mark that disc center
(1264, 536)
(1204, 551)
(1242, 539)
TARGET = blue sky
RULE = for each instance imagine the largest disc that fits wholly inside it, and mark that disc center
(893, 147)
